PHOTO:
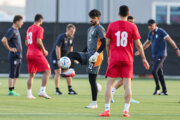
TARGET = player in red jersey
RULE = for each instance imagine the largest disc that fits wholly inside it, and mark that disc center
(36, 57)
(119, 45)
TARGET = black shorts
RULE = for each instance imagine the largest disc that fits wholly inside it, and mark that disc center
(14, 67)
(54, 62)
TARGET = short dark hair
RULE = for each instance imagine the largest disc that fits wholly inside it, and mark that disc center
(123, 10)
(38, 17)
(151, 21)
(70, 26)
(94, 13)
(17, 18)
(130, 17)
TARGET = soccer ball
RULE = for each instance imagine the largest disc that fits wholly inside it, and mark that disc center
(99, 87)
(64, 63)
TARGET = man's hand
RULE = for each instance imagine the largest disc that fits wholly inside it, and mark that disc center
(14, 50)
(146, 64)
(178, 52)
(93, 58)
(137, 53)
(45, 52)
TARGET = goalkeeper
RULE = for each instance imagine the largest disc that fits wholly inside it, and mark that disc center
(92, 55)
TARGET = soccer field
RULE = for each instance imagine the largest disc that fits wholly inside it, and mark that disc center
(71, 107)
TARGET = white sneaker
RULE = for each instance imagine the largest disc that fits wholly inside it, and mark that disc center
(31, 97)
(44, 95)
(92, 106)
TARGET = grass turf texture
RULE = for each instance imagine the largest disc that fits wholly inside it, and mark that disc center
(71, 107)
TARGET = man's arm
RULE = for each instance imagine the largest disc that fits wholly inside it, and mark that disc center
(6, 45)
(146, 44)
(58, 52)
(139, 47)
(71, 49)
(41, 45)
(173, 44)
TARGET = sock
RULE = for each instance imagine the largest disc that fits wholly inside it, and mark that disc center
(94, 102)
(57, 89)
(113, 90)
(107, 107)
(92, 81)
(42, 89)
(126, 107)
(10, 88)
(29, 92)
(69, 87)
(13, 88)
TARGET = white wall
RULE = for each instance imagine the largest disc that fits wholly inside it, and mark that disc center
(45, 7)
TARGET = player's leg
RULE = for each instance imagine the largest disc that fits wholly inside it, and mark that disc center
(57, 80)
(127, 96)
(75, 56)
(70, 72)
(93, 69)
(43, 66)
(94, 91)
(17, 72)
(69, 83)
(118, 85)
(108, 96)
(162, 81)
(155, 69)
(45, 78)
(12, 75)
(29, 86)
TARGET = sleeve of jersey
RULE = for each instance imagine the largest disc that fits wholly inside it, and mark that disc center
(9, 34)
(40, 33)
(59, 41)
(100, 33)
(108, 33)
(164, 33)
(136, 34)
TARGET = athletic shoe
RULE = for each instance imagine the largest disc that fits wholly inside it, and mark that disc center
(134, 101)
(12, 93)
(163, 93)
(31, 97)
(126, 114)
(112, 100)
(156, 92)
(105, 114)
(59, 93)
(68, 73)
(72, 92)
(92, 106)
(44, 95)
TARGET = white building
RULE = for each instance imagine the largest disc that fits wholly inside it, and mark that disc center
(164, 11)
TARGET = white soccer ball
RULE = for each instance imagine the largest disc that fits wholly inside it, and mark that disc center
(64, 63)
(99, 87)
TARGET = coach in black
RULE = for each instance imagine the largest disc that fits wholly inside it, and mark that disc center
(64, 45)
(12, 42)
(158, 38)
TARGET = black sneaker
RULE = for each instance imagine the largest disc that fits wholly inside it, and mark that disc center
(163, 93)
(59, 93)
(72, 92)
(156, 92)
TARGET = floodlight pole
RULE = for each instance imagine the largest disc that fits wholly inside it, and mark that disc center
(57, 11)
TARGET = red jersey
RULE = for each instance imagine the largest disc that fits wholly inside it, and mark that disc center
(122, 34)
(33, 33)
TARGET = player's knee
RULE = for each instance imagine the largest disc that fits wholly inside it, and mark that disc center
(154, 72)
(47, 72)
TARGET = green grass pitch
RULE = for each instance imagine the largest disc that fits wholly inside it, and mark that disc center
(71, 107)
